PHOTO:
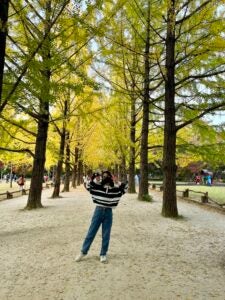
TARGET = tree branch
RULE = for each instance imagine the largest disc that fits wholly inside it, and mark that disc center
(18, 150)
(206, 111)
(194, 12)
(26, 65)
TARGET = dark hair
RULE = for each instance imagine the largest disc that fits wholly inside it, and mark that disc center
(108, 174)
(108, 180)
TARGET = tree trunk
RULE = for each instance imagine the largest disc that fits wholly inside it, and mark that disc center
(73, 183)
(80, 170)
(74, 175)
(63, 136)
(115, 170)
(66, 187)
(34, 198)
(58, 172)
(4, 9)
(169, 208)
(123, 170)
(143, 186)
(131, 186)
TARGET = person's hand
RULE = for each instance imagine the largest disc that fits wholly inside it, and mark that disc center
(124, 185)
(125, 182)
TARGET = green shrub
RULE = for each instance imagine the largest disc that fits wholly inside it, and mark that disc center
(146, 198)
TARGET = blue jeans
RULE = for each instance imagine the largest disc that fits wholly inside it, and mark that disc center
(102, 216)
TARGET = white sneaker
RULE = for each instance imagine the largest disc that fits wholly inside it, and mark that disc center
(80, 257)
(103, 259)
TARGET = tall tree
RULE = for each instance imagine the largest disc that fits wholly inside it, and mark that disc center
(192, 79)
(62, 134)
(143, 186)
(169, 163)
(34, 198)
(4, 9)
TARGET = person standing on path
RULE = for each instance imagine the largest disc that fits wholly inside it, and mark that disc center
(21, 182)
(106, 196)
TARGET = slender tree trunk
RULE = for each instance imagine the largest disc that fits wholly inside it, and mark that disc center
(116, 170)
(131, 186)
(143, 186)
(58, 172)
(80, 170)
(74, 175)
(66, 187)
(73, 182)
(34, 198)
(169, 208)
(59, 169)
(123, 170)
(76, 168)
(85, 169)
(4, 9)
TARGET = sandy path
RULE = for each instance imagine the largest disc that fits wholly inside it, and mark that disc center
(150, 257)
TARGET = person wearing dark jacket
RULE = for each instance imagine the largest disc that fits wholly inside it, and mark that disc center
(106, 197)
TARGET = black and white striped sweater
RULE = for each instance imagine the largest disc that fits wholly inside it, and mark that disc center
(106, 196)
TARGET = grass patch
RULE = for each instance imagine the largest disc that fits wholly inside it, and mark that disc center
(15, 187)
(146, 198)
(216, 193)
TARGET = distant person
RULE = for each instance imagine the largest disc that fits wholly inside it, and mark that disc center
(21, 182)
(7, 178)
(45, 178)
(136, 179)
(197, 179)
(84, 178)
(209, 180)
(205, 178)
(106, 196)
(87, 179)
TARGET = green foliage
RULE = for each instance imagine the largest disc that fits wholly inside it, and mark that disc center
(97, 62)
(146, 198)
